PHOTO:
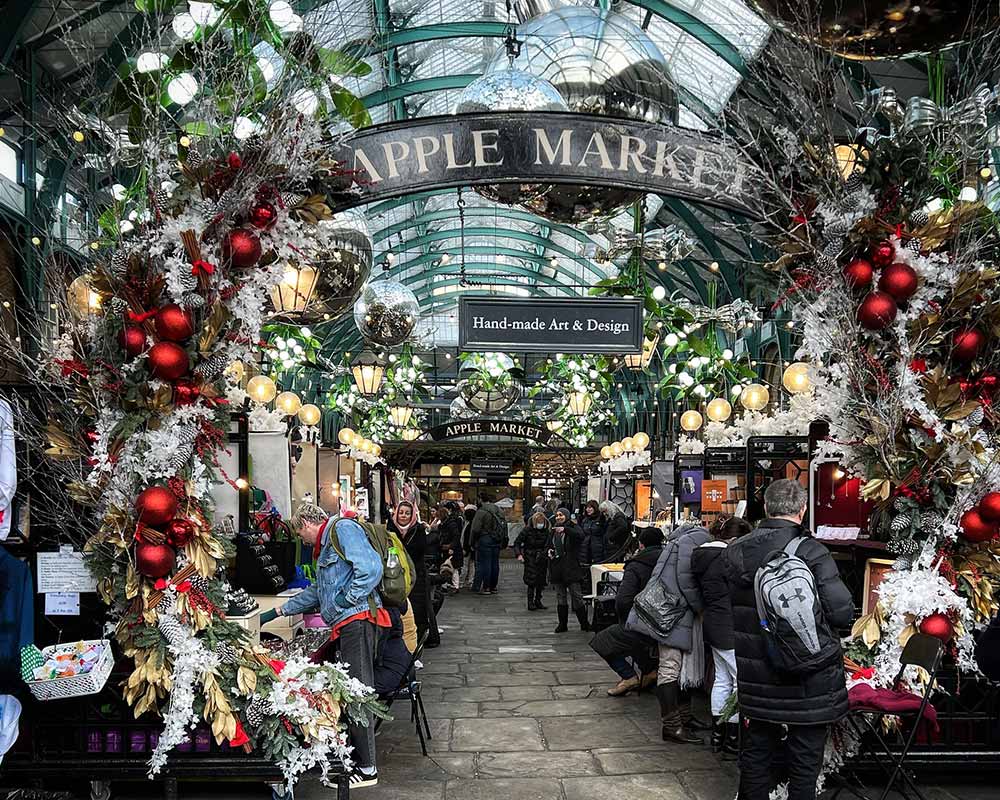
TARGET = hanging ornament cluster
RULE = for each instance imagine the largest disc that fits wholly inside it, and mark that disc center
(982, 522)
(897, 283)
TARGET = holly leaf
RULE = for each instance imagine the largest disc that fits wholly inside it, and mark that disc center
(350, 107)
(338, 62)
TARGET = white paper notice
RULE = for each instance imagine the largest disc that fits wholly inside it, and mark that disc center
(64, 571)
(62, 604)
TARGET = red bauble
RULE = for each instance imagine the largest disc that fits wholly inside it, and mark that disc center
(173, 323)
(975, 529)
(241, 248)
(898, 280)
(132, 340)
(156, 505)
(938, 626)
(154, 560)
(859, 273)
(883, 254)
(877, 311)
(989, 507)
(168, 361)
(179, 532)
(966, 344)
(263, 216)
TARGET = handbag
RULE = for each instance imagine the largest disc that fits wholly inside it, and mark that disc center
(659, 609)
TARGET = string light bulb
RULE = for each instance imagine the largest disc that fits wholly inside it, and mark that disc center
(310, 414)
(719, 409)
(691, 420)
(346, 436)
(78, 136)
(288, 403)
(796, 378)
(261, 389)
(641, 441)
(755, 397)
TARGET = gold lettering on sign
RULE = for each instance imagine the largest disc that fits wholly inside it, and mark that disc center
(361, 158)
(391, 157)
(449, 149)
(426, 146)
(634, 157)
(481, 147)
(597, 141)
(563, 144)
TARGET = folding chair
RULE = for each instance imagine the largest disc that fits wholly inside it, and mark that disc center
(921, 651)
(409, 688)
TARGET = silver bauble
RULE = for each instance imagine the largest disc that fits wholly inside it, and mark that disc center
(489, 383)
(344, 265)
(509, 90)
(459, 410)
(386, 312)
(601, 63)
(492, 400)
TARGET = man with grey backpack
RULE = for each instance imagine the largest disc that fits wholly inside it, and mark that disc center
(788, 602)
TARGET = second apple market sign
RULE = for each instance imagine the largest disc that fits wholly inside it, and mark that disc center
(410, 156)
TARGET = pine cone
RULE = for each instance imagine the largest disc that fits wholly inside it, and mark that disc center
(200, 582)
(975, 419)
(901, 523)
(193, 301)
(194, 159)
(117, 306)
(187, 433)
(903, 564)
(929, 521)
(187, 280)
(162, 198)
(171, 629)
(853, 183)
(913, 245)
(227, 653)
(919, 218)
(213, 366)
(180, 457)
(119, 264)
(163, 607)
(851, 201)
(255, 711)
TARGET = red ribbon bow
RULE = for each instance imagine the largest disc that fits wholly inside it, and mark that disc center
(203, 267)
(865, 673)
(138, 319)
(240, 738)
(73, 367)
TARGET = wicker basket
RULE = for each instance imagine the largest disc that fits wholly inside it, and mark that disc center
(77, 685)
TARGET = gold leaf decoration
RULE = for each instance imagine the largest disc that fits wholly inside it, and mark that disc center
(214, 323)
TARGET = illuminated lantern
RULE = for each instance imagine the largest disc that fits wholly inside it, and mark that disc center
(310, 414)
(691, 420)
(261, 389)
(288, 403)
(755, 397)
(719, 410)
(796, 378)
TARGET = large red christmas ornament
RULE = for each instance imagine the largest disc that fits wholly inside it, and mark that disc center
(975, 529)
(173, 323)
(156, 505)
(883, 254)
(938, 626)
(179, 532)
(241, 248)
(154, 560)
(877, 311)
(989, 507)
(132, 340)
(168, 360)
(859, 273)
(263, 216)
(898, 280)
(966, 344)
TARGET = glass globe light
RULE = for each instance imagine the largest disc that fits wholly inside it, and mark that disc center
(464, 476)
(184, 26)
(691, 420)
(719, 409)
(641, 440)
(796, 378)
(151, 62)
(261, 389)
(617, 449)
(346, 436)
(446, 471)
(606, 453)
(310, 414)
(628, 444)
(755, 397)
(182, 89)
(288, 403)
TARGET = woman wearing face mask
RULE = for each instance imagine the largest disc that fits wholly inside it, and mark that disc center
(563, 550)
(530, 549)
(406, 524)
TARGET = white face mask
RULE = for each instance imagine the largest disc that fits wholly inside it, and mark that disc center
(540, 525)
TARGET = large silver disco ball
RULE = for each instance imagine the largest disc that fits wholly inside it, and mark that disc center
(490, 382)
(346, 264)
(386, 312)
(601, 63)
(509, 89)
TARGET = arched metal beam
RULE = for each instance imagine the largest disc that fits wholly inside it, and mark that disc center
(710, 243)
(401, 91)
(498, 280)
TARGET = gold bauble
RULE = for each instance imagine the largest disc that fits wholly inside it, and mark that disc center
(691, 420)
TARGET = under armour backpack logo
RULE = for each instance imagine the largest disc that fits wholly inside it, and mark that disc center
(785, 601)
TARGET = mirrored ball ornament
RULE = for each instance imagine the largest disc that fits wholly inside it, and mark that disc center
(343, 261)
(386, 312)
(601, 63)
(510, 89)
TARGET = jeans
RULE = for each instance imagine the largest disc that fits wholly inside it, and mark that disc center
(725, 680)
(803, 749)
(487, 567)
(357, 650)
(575, 595)
(615, 644)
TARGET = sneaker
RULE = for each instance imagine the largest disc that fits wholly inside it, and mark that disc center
(361, 780)
(493, 591)
(418, 664)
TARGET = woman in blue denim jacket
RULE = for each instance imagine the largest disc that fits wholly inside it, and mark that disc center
(344, 592)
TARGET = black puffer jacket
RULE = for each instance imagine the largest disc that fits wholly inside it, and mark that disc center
(531, 546)
(451, 540)
(617, 532)
(592, 545)
(708, 563)
(637, 572)
(765, 694)
(566, 568)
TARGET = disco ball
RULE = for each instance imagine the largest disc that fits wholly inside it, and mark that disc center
(867, 30)
(386, 312)
(336, 263)
(459, 410)
(601, 63)
(509, 90)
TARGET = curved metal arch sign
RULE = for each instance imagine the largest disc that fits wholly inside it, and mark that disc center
(401, 158)
(513, 429)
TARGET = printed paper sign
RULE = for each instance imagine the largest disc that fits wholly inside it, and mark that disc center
(62, 604)
(64, 571)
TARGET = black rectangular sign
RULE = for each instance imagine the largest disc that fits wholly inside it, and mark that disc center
(550, 325)
(491, 466)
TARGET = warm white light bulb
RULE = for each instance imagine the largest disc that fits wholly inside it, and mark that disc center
(184, 26)
(151, 62)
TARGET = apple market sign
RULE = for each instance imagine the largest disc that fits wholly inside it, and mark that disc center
(406, 157)
(477, 427)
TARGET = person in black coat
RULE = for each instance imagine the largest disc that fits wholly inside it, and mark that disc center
(594, 526)
(406, 524)
(708, 563)
(616, 643)
(565, 572)
(452, 523)
(470, 570)
(617, 528)
(785, 711)
(530, 549)
(988, 650)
